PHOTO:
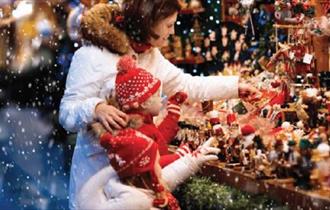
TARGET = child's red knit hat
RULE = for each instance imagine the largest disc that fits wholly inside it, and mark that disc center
(133, 84)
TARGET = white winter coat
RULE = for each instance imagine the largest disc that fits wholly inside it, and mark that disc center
(91, 76)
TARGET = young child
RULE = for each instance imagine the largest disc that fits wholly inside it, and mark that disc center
(139, 151)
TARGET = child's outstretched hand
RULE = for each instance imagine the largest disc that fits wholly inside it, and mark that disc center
(174, 102)
(178, 98)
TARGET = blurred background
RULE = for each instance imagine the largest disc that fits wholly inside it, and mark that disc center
(37, 41)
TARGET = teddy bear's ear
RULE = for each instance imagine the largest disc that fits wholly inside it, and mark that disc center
(98, 28)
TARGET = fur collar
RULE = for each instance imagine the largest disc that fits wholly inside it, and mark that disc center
(98, 27)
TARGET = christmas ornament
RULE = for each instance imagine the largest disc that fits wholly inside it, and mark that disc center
(247, 3)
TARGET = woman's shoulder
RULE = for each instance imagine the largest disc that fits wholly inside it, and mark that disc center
(96, 55)
(93, 52)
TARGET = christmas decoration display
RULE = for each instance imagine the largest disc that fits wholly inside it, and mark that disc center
(319, 26)
(278, 141)
(275, 136)
(204, 45)
(292, 12)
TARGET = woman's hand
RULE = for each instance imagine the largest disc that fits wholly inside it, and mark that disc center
(110, 117)
(247, 92)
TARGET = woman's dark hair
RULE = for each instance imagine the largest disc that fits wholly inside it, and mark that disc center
(141, 15)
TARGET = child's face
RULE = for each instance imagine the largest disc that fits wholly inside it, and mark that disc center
(153, 105)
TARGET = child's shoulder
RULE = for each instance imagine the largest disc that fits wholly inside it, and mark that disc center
(132, 133)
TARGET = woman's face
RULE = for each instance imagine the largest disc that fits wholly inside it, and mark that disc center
(164, 28)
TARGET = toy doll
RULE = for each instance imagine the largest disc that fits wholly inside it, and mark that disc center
(302, 171)
(276, 158)
(261, 165)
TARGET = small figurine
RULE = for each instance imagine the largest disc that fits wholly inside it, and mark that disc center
(224, 31)
(214, 117)
(224, 41)
(312, 99)
(219, 134)
(323, 165)
(276, 158)
(177, 48)
(302, 171)
(167, 50)
(233, 148)
(258, 143)
(233, 35)
(299, 131)
(288, 131)
(300, 110)
(290, 12)
(233, 11)
(276, 114)
(188, 50)
(248, 134)
(233, 151)
(291, 157)
(261, 165)
(248, 150)
(195, 4)
(245, 158)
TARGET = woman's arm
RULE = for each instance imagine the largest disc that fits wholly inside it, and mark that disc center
(83, 85)
(198, 88)
(103, 191)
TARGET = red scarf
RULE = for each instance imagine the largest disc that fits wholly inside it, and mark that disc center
(140, 47)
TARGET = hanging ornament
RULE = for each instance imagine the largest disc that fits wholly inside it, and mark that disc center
(195, 4)
(319, 26)
(247, 3)
(292, 11)
(23, 9)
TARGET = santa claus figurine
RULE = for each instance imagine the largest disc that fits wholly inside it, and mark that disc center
(247, 152)
(248, 133)
(219, 135)
(323, 165)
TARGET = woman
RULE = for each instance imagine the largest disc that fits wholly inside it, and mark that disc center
(138, 28)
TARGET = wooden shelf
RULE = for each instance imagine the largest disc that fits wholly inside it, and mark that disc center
(297, 26)
(186, 61)
(188, 11)
(281, 190)
(236, 20)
